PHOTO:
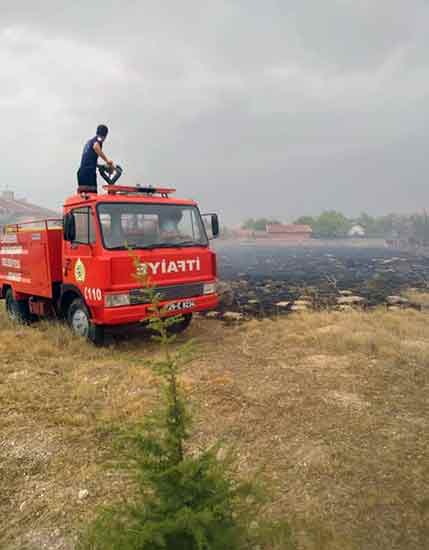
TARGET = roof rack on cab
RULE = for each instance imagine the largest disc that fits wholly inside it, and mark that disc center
(128, 190)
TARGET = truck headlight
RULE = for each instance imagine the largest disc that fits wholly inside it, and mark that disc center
(116, 300)
(209, 288)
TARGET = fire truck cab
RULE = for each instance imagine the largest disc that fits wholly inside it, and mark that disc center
(82, 267)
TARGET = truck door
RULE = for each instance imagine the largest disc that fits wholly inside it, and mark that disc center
(79, 258)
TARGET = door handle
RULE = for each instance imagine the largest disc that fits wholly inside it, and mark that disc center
(67, 266)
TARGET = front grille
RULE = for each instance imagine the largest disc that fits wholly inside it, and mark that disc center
(172, 292)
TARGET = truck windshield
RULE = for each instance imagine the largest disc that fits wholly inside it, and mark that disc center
(131, 225)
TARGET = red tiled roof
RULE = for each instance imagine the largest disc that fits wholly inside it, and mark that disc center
(289, 228)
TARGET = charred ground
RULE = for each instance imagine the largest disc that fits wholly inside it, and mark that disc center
(263, 274)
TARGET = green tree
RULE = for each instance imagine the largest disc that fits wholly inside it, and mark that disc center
(393, 225)
(184, 501)
(306, 220)
(419, 228)
(369, 223)
(258, 224)
(331, 224)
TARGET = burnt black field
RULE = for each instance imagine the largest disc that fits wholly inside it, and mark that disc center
(262, 275)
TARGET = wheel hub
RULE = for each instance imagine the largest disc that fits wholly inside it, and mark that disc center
(80, 323)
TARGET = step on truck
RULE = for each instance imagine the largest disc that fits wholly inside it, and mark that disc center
(81, 267)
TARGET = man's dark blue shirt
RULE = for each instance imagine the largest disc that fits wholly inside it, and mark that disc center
(87, 174)
(89, 156)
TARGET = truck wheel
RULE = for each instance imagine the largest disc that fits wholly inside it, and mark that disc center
(17, 310)
(182, 324)
(79, 321)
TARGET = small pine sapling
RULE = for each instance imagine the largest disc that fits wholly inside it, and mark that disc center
(184, 500)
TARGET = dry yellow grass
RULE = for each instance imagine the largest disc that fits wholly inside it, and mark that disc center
(329, 409)
(418, 297)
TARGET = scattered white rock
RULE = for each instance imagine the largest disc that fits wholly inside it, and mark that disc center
(396, 300)
(212, 315)
(83, 493)
(233, 316)
(298, 307)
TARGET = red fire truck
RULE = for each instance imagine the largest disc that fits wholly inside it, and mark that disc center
(81, 267)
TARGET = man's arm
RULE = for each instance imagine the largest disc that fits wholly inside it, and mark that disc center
(100, 153)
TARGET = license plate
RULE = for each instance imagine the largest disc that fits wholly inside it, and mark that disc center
(180, 306)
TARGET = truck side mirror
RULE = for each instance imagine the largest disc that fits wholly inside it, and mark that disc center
(215, 226)
(69, 227)
(212, 226)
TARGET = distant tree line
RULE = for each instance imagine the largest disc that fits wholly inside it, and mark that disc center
(333, 224)
(328, 224)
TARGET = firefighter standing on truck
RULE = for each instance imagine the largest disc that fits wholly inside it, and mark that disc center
(87, 173)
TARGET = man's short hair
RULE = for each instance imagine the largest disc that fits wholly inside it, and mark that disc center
(102, 130)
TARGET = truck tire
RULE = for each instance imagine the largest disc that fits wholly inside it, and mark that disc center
(182, 324)
(79, 320)
(17, 310)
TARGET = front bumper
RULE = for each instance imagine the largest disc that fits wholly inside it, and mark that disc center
(124, 315)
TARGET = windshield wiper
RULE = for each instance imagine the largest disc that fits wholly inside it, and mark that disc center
(166, 245)
(123, 247)
(152, 246)
(180, 244)
(189, 243)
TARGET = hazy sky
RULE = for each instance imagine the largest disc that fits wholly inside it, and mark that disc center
(252, 107)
